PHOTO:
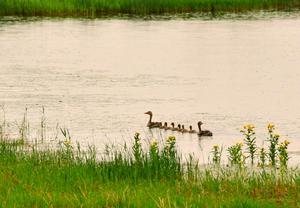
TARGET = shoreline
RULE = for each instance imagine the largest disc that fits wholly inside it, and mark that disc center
(141, 9)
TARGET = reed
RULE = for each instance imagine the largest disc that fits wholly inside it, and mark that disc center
(97, 8)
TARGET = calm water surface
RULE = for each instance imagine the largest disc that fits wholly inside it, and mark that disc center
(98, 77)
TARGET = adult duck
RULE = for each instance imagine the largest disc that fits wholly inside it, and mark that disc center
(203, 132)
(150, 123)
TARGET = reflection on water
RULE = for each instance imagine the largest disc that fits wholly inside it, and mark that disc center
(98, 77)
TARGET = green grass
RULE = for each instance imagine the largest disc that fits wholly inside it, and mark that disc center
(133, 177)
(97, 8)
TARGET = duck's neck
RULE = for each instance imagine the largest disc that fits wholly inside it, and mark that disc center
(150, 119)
(199, 126)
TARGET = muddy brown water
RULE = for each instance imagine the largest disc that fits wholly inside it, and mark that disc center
(98, 77)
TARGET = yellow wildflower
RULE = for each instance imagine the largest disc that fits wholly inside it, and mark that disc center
(271, 126)
(216, 146)
(153, 143)
(240, 144)
(276, 136)
(67, 142)
(171, 139)
(249, 127)
(286, 142)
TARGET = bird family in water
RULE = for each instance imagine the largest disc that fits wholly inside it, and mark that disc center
(179, 128)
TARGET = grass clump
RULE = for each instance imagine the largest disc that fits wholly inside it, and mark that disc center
(96, 8)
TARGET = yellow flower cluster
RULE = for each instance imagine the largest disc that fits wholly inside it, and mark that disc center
(249, 127)
(276, 136)
(271, 127)
(285, 143)
(216, 146)
(239, 144)
(153, 143)
(67, 142)
(171, 139)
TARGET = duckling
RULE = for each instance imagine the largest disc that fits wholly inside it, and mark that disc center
(179, 128)
(166, 127)
(204, 132)
(184, 130)
(162, 126)
(192, 131)
(152, 124)
(173, 128)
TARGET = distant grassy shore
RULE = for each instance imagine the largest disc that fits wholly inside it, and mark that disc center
(97, 8)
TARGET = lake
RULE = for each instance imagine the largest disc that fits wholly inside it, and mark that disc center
(98, 77)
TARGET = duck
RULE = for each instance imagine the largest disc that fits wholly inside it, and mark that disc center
(166, 127)
(152, 124)
(203, 132)
(173, 128)
(183, 130)
(179, 128)
(192, 131)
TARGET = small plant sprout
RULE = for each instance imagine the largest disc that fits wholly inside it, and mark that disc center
(170, 148)
(273, 140)
(67, 142)
(262, 157)
(216, 153)
(154, 149)
(137, 148)
(236, 156)
(250, 140)
(283, 154)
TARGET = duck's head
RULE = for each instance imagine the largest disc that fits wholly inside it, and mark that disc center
(182, 126)
(200, 123)
(191, 128)
(172, 124)
(165, 124)
(179, 126)
(148, 112)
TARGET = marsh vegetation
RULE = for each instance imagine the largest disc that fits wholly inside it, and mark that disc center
(94, 8)
(155, 175)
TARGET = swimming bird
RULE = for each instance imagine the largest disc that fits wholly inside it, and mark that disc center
(152, 124)
(179, 128)
(203, 132)
(192, 131)
(183, 130)
(166, 127)
(173, 128)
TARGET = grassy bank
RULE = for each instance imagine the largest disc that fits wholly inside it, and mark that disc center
(96, 8)
(137, 177)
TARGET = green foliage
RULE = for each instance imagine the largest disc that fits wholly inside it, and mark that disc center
(236, 156)
(273, 140)
(94, 8)
(153, 175)
(250, 140)
(216, 153)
